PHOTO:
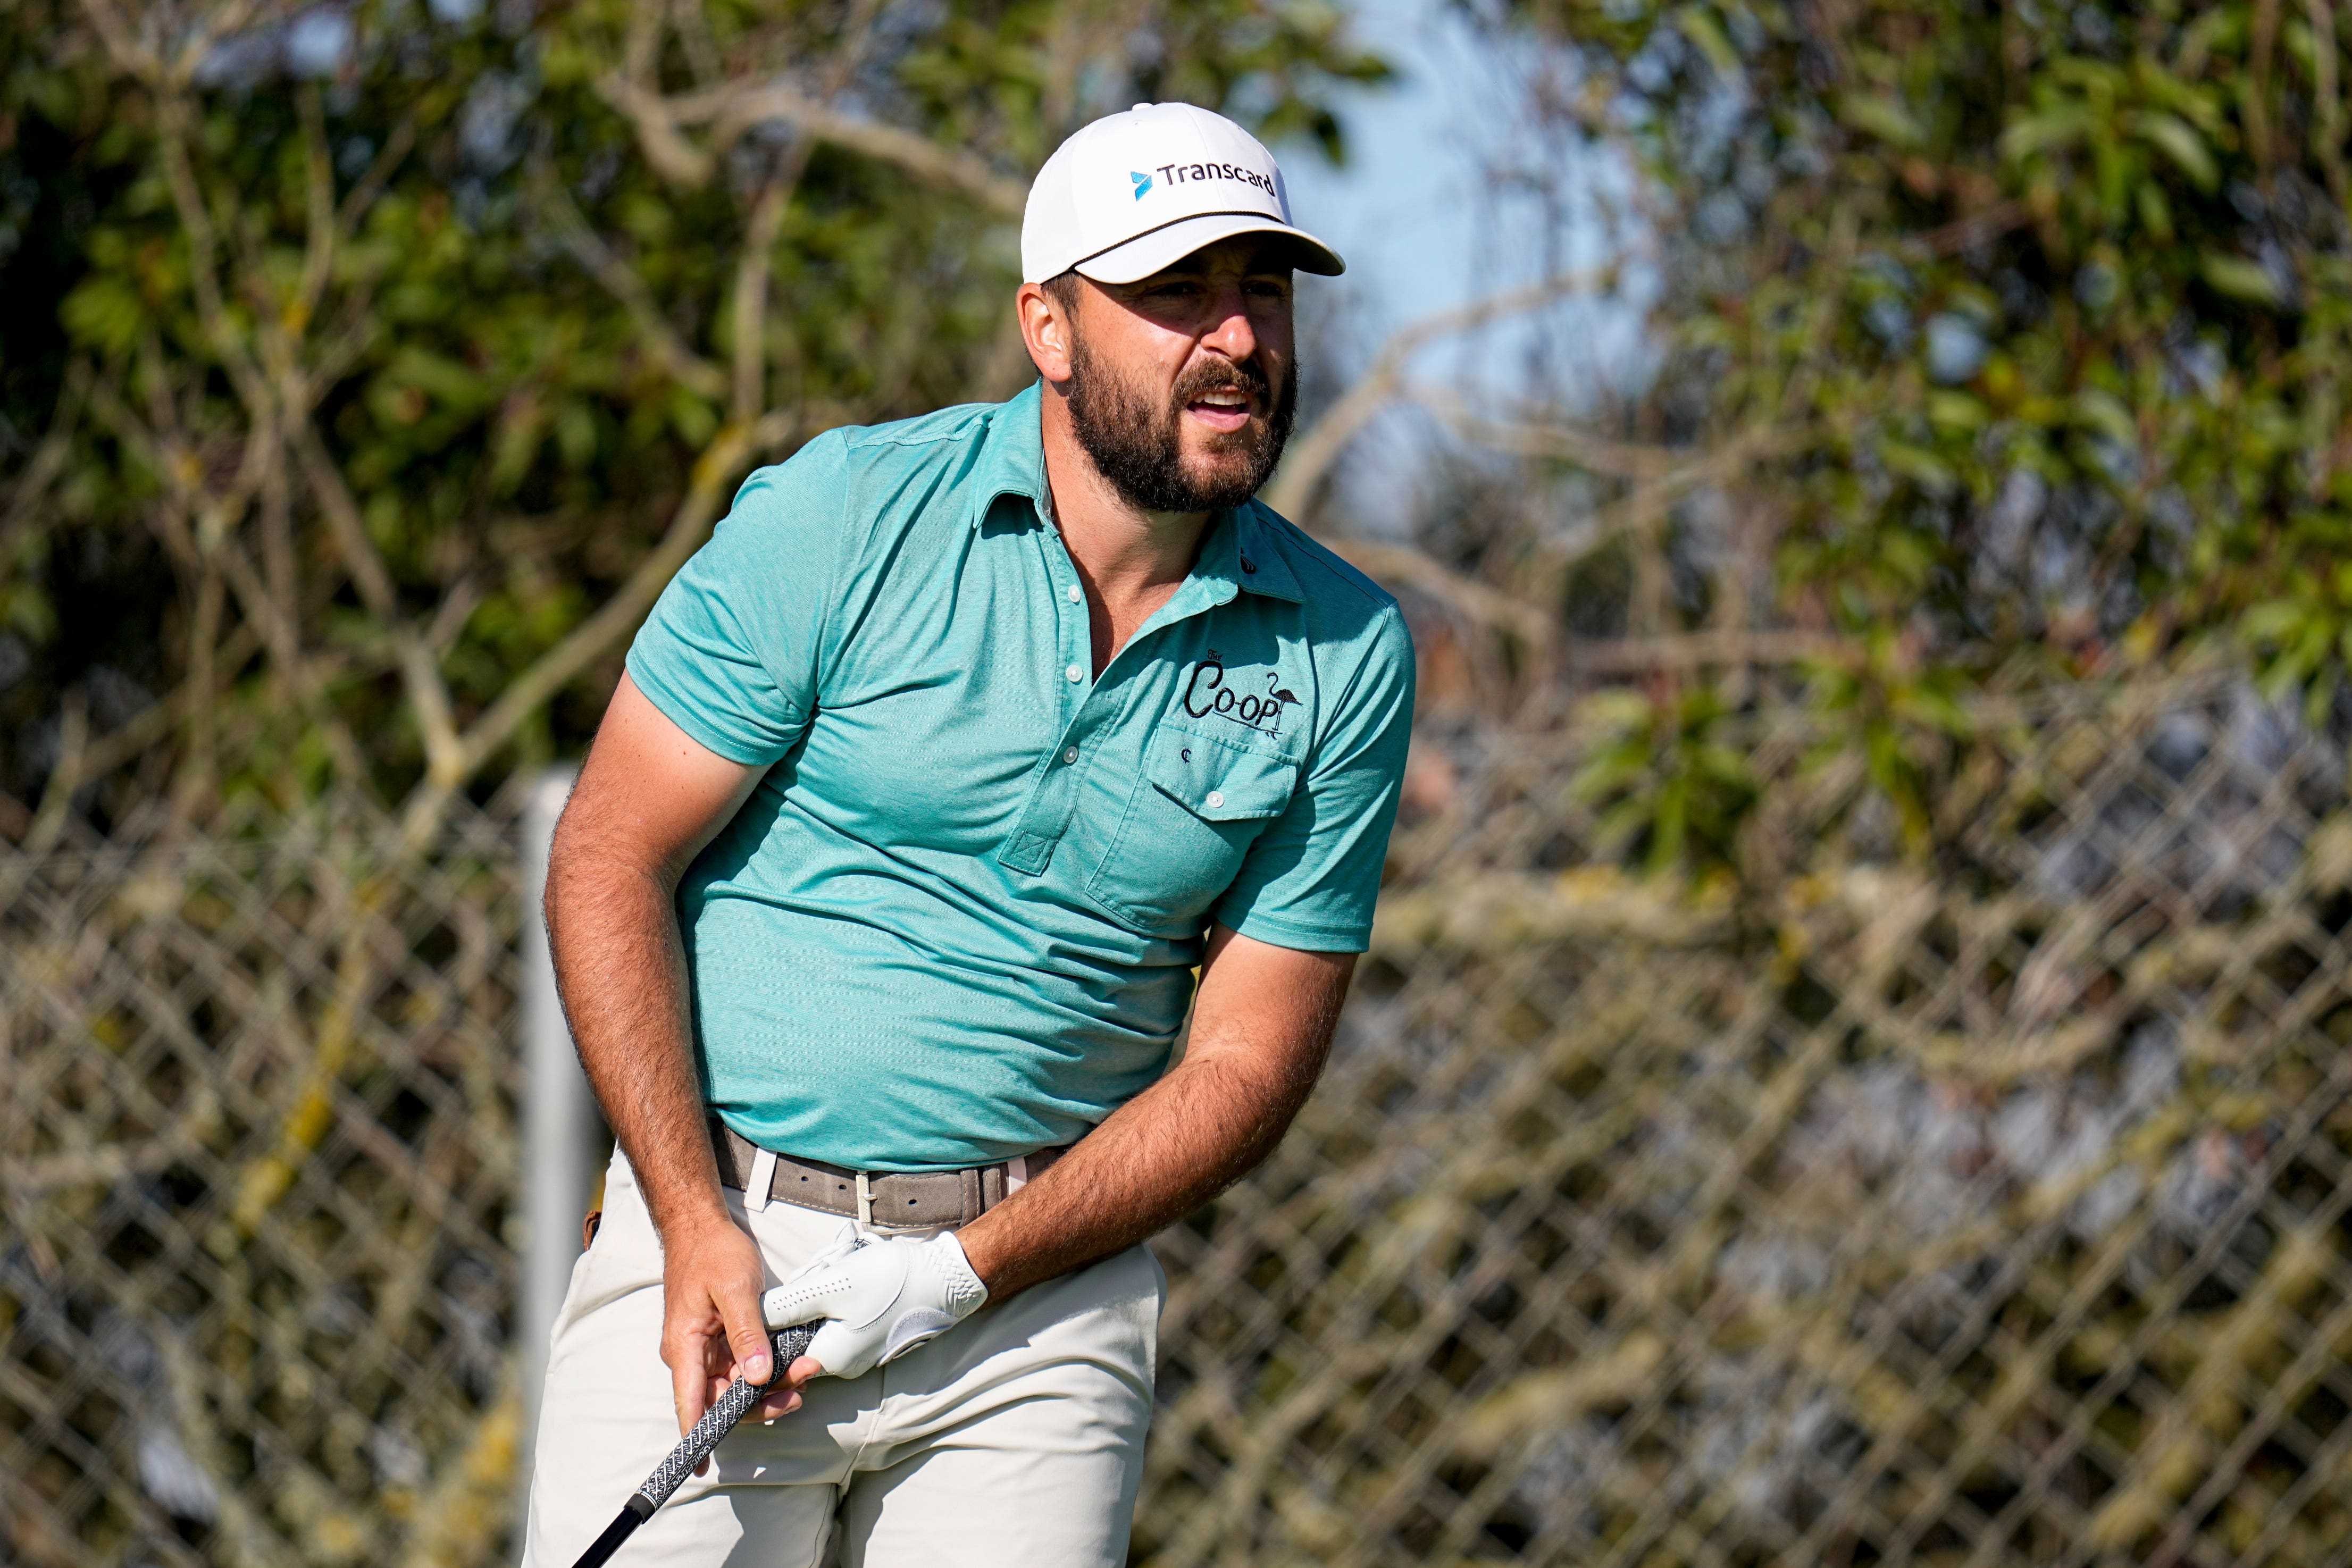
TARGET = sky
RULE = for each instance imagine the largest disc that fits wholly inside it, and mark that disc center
(1448, 195)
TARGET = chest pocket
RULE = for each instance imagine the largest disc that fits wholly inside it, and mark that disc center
(1195, 809)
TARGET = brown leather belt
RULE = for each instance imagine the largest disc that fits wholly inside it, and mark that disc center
(933, 1200)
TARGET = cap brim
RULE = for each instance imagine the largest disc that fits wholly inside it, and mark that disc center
(1146, 253)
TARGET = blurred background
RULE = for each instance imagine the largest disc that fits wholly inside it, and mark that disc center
(1851, 1067)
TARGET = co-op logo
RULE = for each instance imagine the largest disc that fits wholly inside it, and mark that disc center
(1209, 692)
(1185, 173)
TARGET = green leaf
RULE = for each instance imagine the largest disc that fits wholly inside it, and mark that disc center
(1955, 412)
(2271, 621)
(2105, 414)
(1923, 468)
(1697, 24)
(2176, 139)
(105, 313)
(2042, 133)
(2237, 278)
(1881, 116)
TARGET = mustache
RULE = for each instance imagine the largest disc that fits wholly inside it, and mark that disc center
(1234, 375)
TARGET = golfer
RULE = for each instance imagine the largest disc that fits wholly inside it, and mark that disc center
(968, 753)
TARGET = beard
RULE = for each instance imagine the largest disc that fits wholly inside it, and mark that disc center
(1137, 442)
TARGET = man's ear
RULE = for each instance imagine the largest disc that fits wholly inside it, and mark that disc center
(1046, 331)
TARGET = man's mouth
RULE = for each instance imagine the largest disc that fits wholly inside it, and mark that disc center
(1225, 409)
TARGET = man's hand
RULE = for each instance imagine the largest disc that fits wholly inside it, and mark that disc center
(711, 1331)
(880, 1298)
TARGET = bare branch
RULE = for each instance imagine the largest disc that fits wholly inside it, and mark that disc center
(210, 543)
(195, 217)
(1312, 455)
(752, 280)
(48, 459)
(1974, 229)
(754, 263)
(1546, 438)
(689, 525)
(1644, 505)
(122, 41)
(230, 18)
(65, 778)
(1407, 567)
(143, 729)
(1632, 656)
(319, 193)
(690, 370)
(420, 674)
(734, 109)
(362, 197)
(674, 158)
(714, 475)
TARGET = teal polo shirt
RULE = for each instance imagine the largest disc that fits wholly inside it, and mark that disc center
(959, 918)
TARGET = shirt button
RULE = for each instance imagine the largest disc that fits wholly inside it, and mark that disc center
(1216, 798)
(1074, 673)
(1073, 592)
(1071, 754)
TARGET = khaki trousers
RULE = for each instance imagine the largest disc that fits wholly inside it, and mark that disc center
(1013, 1440)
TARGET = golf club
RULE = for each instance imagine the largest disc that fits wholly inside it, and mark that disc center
(694, 1448)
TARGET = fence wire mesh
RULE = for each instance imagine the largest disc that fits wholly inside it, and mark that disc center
(1959, 1190)
(258, 1162)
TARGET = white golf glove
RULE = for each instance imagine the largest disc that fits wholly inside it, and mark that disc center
(880, 1298)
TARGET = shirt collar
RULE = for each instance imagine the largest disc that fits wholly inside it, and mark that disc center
(1259, 548)
(1239, 553)
(1013, 456)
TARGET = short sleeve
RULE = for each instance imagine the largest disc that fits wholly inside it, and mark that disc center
(1311, 879)
(734, 647)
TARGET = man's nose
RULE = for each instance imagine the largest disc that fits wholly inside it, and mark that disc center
(1232, 336)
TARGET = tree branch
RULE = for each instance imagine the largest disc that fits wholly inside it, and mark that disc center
(674, 158)
(420, 673)
(714, 474)
(1691, 650)
(48, 459)
(1542, 438)
(752, 280)
(1312, 455)
(735, 108)
(318, 201)
(689, 369)
(195, 217)
(1407, 567)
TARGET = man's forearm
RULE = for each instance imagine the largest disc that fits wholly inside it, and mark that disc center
(1163, 1154)
(621, 971)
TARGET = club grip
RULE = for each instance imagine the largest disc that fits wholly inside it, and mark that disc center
(721, 1419)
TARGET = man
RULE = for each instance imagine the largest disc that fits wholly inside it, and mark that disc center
(935, 777)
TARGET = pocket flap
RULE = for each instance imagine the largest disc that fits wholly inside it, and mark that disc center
(1219, 784)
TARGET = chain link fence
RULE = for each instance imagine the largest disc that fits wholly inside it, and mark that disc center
(1961, 1190)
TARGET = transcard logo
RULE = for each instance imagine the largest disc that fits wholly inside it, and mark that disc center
(1184, 174)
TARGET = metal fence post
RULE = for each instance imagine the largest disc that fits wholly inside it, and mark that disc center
(562, 1130)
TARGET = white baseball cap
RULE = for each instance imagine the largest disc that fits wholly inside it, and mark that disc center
(1134, 193)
